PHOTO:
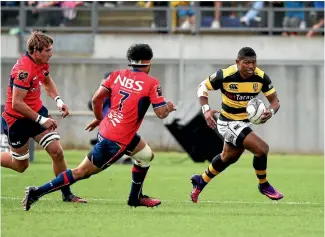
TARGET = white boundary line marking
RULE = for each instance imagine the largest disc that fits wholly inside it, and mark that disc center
(188, 201)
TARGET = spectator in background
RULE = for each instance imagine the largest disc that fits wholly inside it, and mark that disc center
(45, 18)
(252, 14)
(69, 11)
(315, 27)
(31, 16)
(185, 14)
(211, 18)
(231, 18)
(293, 19)
(278, 15)
(216, 23)
(108, 3)
(159, 16)
(319, 5)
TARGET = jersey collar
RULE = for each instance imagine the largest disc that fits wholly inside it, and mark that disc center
(27, 54)
(135, 70)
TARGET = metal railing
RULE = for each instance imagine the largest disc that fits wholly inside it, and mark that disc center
(95, 13)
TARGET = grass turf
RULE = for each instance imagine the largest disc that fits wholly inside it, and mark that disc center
(229, 206)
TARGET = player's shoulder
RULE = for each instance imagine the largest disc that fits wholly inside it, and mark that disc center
(259, 72)
(26, 62)
(229, 71)
(151, 82)
(151, 78)
(22, 66)
(120, 71)
(23, 61)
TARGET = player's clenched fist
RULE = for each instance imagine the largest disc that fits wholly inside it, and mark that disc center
(50, 124)
(64, 110)
(171, 106)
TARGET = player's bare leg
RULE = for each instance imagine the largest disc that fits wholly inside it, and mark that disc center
(260, 149)
(142, 156)
(49, 141)
(64, 179)
(17, 159)
(229, 155)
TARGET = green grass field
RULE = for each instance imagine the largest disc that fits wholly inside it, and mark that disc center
(230, 205)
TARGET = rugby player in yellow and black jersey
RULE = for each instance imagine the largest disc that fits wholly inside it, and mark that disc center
(238, 83)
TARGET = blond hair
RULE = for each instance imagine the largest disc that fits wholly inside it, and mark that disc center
(38, 41)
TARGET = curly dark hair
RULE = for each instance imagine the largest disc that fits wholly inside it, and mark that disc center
(138, 52)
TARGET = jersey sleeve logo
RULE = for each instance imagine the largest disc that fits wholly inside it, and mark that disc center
(22, 75)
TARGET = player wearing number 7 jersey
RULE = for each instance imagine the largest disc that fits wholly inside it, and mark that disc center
(131, 92)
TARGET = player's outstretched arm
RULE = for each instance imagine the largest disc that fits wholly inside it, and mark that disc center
(52, 92)
(21, 107)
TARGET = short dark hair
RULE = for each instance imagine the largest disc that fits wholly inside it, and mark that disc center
(246, 52)
(138, 52)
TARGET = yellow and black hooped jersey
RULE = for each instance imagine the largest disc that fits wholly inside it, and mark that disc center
(236, 91)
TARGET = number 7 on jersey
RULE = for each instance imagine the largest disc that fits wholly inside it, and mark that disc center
(125, 96)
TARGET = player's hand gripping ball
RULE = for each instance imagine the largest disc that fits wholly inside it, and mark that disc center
(254, 110)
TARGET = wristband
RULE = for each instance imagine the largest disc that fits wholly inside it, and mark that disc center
(59, 102)
(41, 120)
(272, 112)
(205, 108)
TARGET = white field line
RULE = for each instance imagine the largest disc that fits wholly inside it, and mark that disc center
(187, 201)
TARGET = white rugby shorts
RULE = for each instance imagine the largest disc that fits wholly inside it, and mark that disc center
(232, 131)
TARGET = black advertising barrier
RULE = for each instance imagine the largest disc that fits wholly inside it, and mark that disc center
(189, 128)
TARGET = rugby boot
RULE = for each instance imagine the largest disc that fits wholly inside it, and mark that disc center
(144, 201)
(198, 185)
(30, 198)
(73, 198)
(267, 190)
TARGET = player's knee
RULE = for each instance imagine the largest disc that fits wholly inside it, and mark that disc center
(22, 161)
(144, 157)
(56, 154)
(261, 150)
(22, 167)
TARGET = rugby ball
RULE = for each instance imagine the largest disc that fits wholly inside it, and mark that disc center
(254, 110)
